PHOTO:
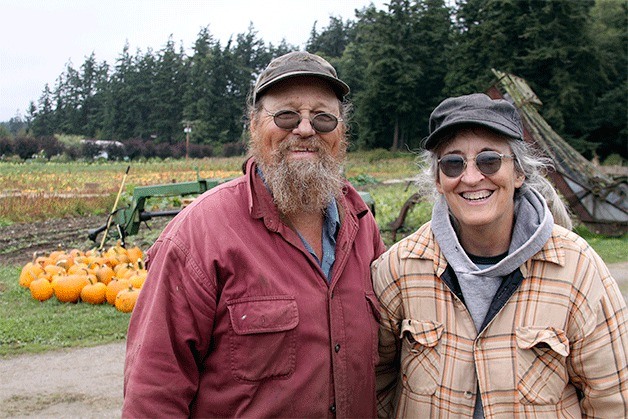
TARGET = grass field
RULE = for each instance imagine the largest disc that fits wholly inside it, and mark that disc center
(27, 325)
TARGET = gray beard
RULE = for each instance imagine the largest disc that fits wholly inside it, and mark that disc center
(301, 185)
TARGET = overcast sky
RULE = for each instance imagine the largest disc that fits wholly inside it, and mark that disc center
(39, 37)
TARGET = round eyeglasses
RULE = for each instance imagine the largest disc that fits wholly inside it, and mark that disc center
(321, 122)
(487, 162)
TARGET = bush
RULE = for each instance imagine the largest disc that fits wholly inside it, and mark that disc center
(50, 146)
(25, 147)
(6, 146)
(237, 148)
(198, 151)
(614, 160)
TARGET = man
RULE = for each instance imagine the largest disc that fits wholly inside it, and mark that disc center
(258, 301)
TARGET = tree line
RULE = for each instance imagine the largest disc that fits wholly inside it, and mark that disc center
(400, 62)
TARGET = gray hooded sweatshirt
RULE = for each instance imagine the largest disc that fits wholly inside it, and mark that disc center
(532, 228)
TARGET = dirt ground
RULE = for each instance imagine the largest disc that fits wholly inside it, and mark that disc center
(70, 383)
(19, 241)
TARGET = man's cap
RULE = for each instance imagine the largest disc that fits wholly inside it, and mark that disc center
(294, 64)
(476, 109)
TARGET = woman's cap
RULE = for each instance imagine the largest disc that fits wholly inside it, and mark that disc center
(475, 109)
(298, 63)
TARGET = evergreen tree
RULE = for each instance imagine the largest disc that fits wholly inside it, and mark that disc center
(43, 118)
(608, 34)
(166, 96)
(398, 62)
(333, 40)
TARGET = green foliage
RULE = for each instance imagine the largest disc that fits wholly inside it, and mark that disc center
(610, 249)
(27, 325)
(614, 160)
(362, 179)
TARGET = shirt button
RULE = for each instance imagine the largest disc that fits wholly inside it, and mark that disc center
(468, 394)
(332, 408)
(337, 347)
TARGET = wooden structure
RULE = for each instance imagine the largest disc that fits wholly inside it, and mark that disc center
(598, 200)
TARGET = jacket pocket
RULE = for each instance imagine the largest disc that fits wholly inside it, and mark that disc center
(541, 364)
(420, 355)
(262, 338)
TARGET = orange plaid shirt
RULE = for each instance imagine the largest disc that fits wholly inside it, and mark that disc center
(557, 348)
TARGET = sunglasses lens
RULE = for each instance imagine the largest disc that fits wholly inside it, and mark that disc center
(324, 122)
(451, 165)
(287, 119)
(488, 162)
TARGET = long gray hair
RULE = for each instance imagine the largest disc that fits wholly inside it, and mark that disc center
(528, 161)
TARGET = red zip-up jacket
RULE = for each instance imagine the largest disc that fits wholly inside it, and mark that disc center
(236, 318)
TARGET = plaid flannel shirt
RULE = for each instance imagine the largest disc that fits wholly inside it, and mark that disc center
(557, 348)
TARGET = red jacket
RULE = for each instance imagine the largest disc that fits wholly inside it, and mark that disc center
(236, 317)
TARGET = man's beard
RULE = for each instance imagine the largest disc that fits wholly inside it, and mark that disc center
(301, 185)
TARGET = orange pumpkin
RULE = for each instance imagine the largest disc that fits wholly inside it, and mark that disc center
(114, 287)
(94, 293)
(68, 288)
(41, 289)
(104, 273)
(138, 278)
(30, 272)
(126, 299)
(135, 254)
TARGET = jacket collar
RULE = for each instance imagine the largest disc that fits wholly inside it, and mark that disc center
(422, 245)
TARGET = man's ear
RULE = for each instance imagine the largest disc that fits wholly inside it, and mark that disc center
(252, 122)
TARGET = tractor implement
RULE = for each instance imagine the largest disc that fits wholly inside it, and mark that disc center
(128, 220)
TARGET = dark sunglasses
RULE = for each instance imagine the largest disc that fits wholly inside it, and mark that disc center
(321, 122)
(487, 162)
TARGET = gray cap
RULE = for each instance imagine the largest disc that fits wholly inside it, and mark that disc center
(476, 109)
(298, 63)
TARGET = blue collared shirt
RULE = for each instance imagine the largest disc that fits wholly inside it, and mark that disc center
(331, 225)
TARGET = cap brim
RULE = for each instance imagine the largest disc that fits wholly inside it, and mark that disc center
(340, 88)
(435, 138)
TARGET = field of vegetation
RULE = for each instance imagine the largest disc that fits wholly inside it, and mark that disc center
(38, 192)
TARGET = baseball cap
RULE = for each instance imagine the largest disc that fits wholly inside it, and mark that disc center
(298, 63)
(475, 109)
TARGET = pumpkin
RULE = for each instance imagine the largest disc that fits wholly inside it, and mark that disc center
(124, 270)
(135, 254)
(41, 289)
(126, 299)
(68, 288)
(94, 293)
(138, 278)
(114, 287)
(52, 270)
(104, 273)
(30, 272)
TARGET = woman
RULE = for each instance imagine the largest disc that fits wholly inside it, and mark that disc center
(492, 309)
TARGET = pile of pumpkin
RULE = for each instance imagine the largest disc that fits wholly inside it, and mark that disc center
(114, 276)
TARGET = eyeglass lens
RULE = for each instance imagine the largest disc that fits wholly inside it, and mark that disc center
(487, 162)
(321, 122)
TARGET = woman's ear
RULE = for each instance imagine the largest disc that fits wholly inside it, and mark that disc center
(519, 180)
(439, 187)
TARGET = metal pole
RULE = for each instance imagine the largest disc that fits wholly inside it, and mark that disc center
(187, 143)
(115, 205)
